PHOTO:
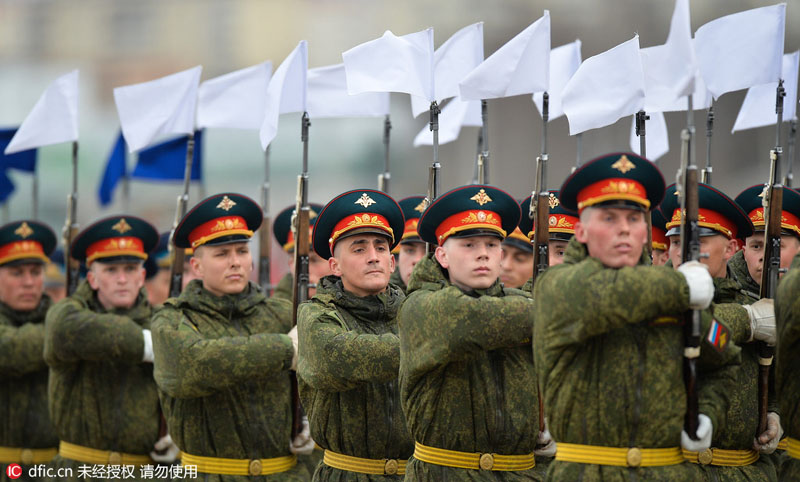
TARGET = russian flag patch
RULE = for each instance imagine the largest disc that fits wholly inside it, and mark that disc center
(718, 336)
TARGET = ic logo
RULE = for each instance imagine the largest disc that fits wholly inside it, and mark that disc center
(14, 471)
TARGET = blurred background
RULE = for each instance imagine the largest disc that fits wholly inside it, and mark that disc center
(116, 43)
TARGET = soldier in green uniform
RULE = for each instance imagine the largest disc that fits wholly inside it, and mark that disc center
(349, 349)
(610, 365)
(660, 244)
(411, 248)
(223, 354)
(157, 271)
(102, 396)
(787, 359)
(55, 280)
(283, 232)
(466, 371)
(26, 435)
(735, 454)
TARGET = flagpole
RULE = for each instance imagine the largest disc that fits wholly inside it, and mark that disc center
(787, 181)
(385, 178)
(71, 227)
(483, 158)
(35, 194)
(265, 240)
(641, 120)
(709, 133)
(433, 175)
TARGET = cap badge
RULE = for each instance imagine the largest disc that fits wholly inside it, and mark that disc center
(553, 201)
(23, 231)
(365, 200)
(623, 164)
(481, 198)
(422, 205)
(122, 226)
(226, 204)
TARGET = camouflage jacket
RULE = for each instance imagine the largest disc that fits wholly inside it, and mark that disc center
(397, 280)
(737, 270)
(611, 365)
(222, 368)
(23, 379)
(349, 354)
(285, 287)
(467, 379)
(787, 359)
(101, 394)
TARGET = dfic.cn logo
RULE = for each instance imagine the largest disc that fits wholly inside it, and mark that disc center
(14, 471)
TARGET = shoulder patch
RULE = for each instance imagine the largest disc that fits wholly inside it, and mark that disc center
(718, 336)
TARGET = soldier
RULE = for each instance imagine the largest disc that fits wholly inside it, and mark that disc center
(349, 349)
(735, 451)
(103, 399)
(223, 356)
(283, 232)
(787, 359)
(55, 281)
(466, 372)
(157, 271)
(660, 243)
(610, 366)
(411, 248)
(26, 435)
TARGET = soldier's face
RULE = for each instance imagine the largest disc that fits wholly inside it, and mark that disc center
(224, 269)
(21, 286)
(117, 284)
(615, 236)
(660, 257)
(364, 262)
(718, 248)
(409, 256)
(754, 253)
(472, 263)
(555, 251)
(516, 266)
(158, 287)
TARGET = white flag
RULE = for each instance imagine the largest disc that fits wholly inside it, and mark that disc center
(392, 64)
(521, 66)
(328, 97)
(605, 88)
(656, 138)
(452, 61)
(456, 114)
(741, 50)
(53, 119)
(286, 92)
(235, 100)
(564, 61)
(758, 108)
(159, 107)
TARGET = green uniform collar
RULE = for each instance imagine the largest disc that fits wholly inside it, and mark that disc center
(236, 305)
(429, 275)
(140, 311)
(19, 318)
(374, 307)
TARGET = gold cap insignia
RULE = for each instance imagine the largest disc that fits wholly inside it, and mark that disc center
(226, 204)
(553, 201)
(23, 231)
(481, 198)
(122, 226)
(422, 205)
(312, 214)
(365, 200)
(623, 164)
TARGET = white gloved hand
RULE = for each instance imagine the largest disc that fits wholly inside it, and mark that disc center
(704, 432)
(302, 444)
(701, 286)
(545, 445)
(148, 347)
(293, 336)
(767, 442)
(762, 320)
(169, 451)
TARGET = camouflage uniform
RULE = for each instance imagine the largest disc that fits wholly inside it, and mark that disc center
(222, 368)
(284, 288)
(610, 373)
(101, 394)
(349, 356)
(397, 280)
(23, 381)
(787, 383)
(466, 373)
(748, 290)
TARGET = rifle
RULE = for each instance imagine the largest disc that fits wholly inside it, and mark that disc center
(178, 254)
(300, 293)
(773, 207)
(433, 172)
(385, 178)
(690, 251)
(482, 166)
(265, 235)
(71, 227)
(709, 132)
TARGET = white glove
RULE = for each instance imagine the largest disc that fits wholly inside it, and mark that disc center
(701, 286)
(293, 336)
(704, 432)
(767, 442)
(302, 444)
(545, 445)
(148, 347)
(169, 451)
(762, 320)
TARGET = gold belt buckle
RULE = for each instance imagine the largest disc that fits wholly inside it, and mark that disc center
(26, 457)
(390, 467)
(487, 461)
(705, 457)
(255, 467)
(114, 458)
(634, 457)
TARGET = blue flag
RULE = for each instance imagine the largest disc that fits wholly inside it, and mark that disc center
(24, 160)
(115, 170)
(6, 186)
(167, 161)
